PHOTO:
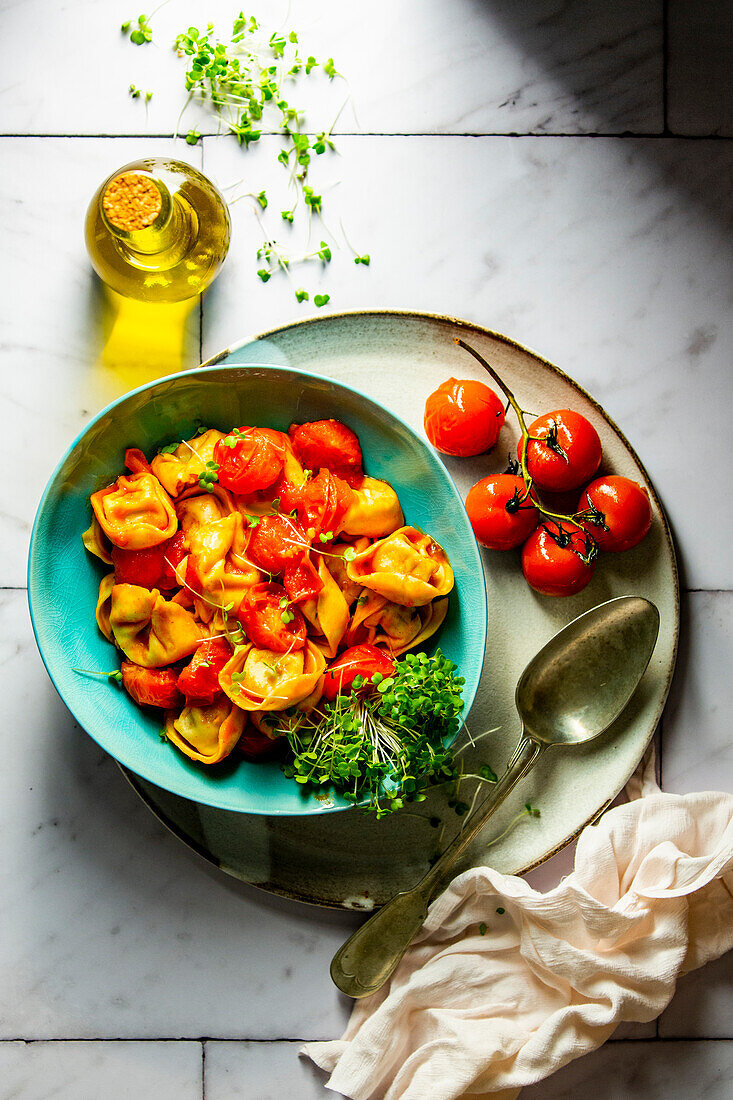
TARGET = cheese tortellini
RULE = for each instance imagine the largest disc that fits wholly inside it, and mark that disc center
(408, 567)
(136, 512)
(150, 630)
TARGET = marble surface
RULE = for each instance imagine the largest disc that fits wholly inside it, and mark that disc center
(127, 966)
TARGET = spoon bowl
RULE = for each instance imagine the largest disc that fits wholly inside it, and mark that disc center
(580, 682)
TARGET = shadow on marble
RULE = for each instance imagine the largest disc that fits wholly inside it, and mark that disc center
(700, 67)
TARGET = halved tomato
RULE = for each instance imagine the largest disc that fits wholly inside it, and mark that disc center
(360, 660)
(151, 687)
(275, 542)
(323, 503)
(270, 621)
(153, 567)
(199, 680)
(331, 445)
(248, 460)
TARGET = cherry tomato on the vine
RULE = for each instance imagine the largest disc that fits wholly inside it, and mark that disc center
(199, 680)
(499, 521)
(329, 444)
(567, 454)
(360, 660)
(270, 621)
(625, 511)
(248, 460)
(557, 560)
(151, 687)
(463, 417)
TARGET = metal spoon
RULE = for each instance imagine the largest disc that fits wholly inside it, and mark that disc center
(569, 693)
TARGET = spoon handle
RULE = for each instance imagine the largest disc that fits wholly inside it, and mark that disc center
(370, 956)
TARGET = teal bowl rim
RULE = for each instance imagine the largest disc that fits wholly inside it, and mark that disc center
(470, 690)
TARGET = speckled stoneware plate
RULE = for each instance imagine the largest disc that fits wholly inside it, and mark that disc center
(351, 860)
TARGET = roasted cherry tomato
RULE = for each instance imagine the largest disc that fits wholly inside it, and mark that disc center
(329, 444)
(275, 542)
(360, 660)
(557, 560)
(323, 502)
(255, 745)
(151, 568)
(199, 680)
(463, 418)
(151, 687)
(248, 460)
(136, 461)
(269, 620)
(499, 521)
(301, 579)
(567, 453)
(625, 512)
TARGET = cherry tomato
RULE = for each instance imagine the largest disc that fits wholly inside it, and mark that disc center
(263, 613)
(151, 687)
(275, 542)
(571, 455)
(625, 509)
(555, 560)
(301, 580)
(136, 461)
(150, 568)
(199, 680)
(360, 660)
(255, 745)
(248, 460)
(463, 418)
(323, 502)
(495, 525)
(329, 444)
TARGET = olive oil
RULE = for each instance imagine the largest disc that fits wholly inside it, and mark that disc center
(157, 230)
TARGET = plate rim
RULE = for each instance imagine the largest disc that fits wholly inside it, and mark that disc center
(471, 326)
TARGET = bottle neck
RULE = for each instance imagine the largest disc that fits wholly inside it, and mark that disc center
(141, 215)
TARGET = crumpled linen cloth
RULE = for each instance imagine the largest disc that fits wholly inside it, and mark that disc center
(470, 1015)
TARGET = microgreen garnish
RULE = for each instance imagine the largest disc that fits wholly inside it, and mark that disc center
(142, 33)
(302, 295)
(501, 910)
(262, 200)
(113, 677)
(482, 928)
(287, 216)
(209, 475)
(169, 448)
(193, 137)
(326, 536)
(349, 553)
(252, 521)
(385, 745)
(321, 299)
(134, 92)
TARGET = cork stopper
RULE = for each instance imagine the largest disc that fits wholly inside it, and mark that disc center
(132, 201)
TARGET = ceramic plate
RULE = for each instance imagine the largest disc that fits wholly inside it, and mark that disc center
(348, 859)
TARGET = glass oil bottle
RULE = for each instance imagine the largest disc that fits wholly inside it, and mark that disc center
(157, 230)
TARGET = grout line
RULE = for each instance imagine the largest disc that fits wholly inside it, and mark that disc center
(638, 135)
(203, 1071)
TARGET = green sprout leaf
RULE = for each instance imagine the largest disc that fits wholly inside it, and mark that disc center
(321, 299)
(193, 137)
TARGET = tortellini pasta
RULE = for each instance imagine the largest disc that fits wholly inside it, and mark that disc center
(217, 567)
(378, 621)
(179, 470)
(328, 613)
(95, 542)
(207, 734)
(150, 630)
(136, 512)
(259, 679)
(104, 606)
(375, 510)
(408, 567)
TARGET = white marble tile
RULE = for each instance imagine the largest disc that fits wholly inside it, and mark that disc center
(92, 1071)
(109, 927)
(702, 1006)
(61, 359)
(700, 67)
(610, 257)
(644, 1071)
(697, 750)
(261, 1071)
(412, 65)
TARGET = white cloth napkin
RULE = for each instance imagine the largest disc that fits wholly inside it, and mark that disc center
(471, 1015)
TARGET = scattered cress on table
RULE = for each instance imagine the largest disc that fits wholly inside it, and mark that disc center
(263, 590)
(559, 452)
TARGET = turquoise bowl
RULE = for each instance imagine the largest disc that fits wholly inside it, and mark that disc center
(63, 578)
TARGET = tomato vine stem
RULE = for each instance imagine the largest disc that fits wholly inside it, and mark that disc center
(559, 518)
